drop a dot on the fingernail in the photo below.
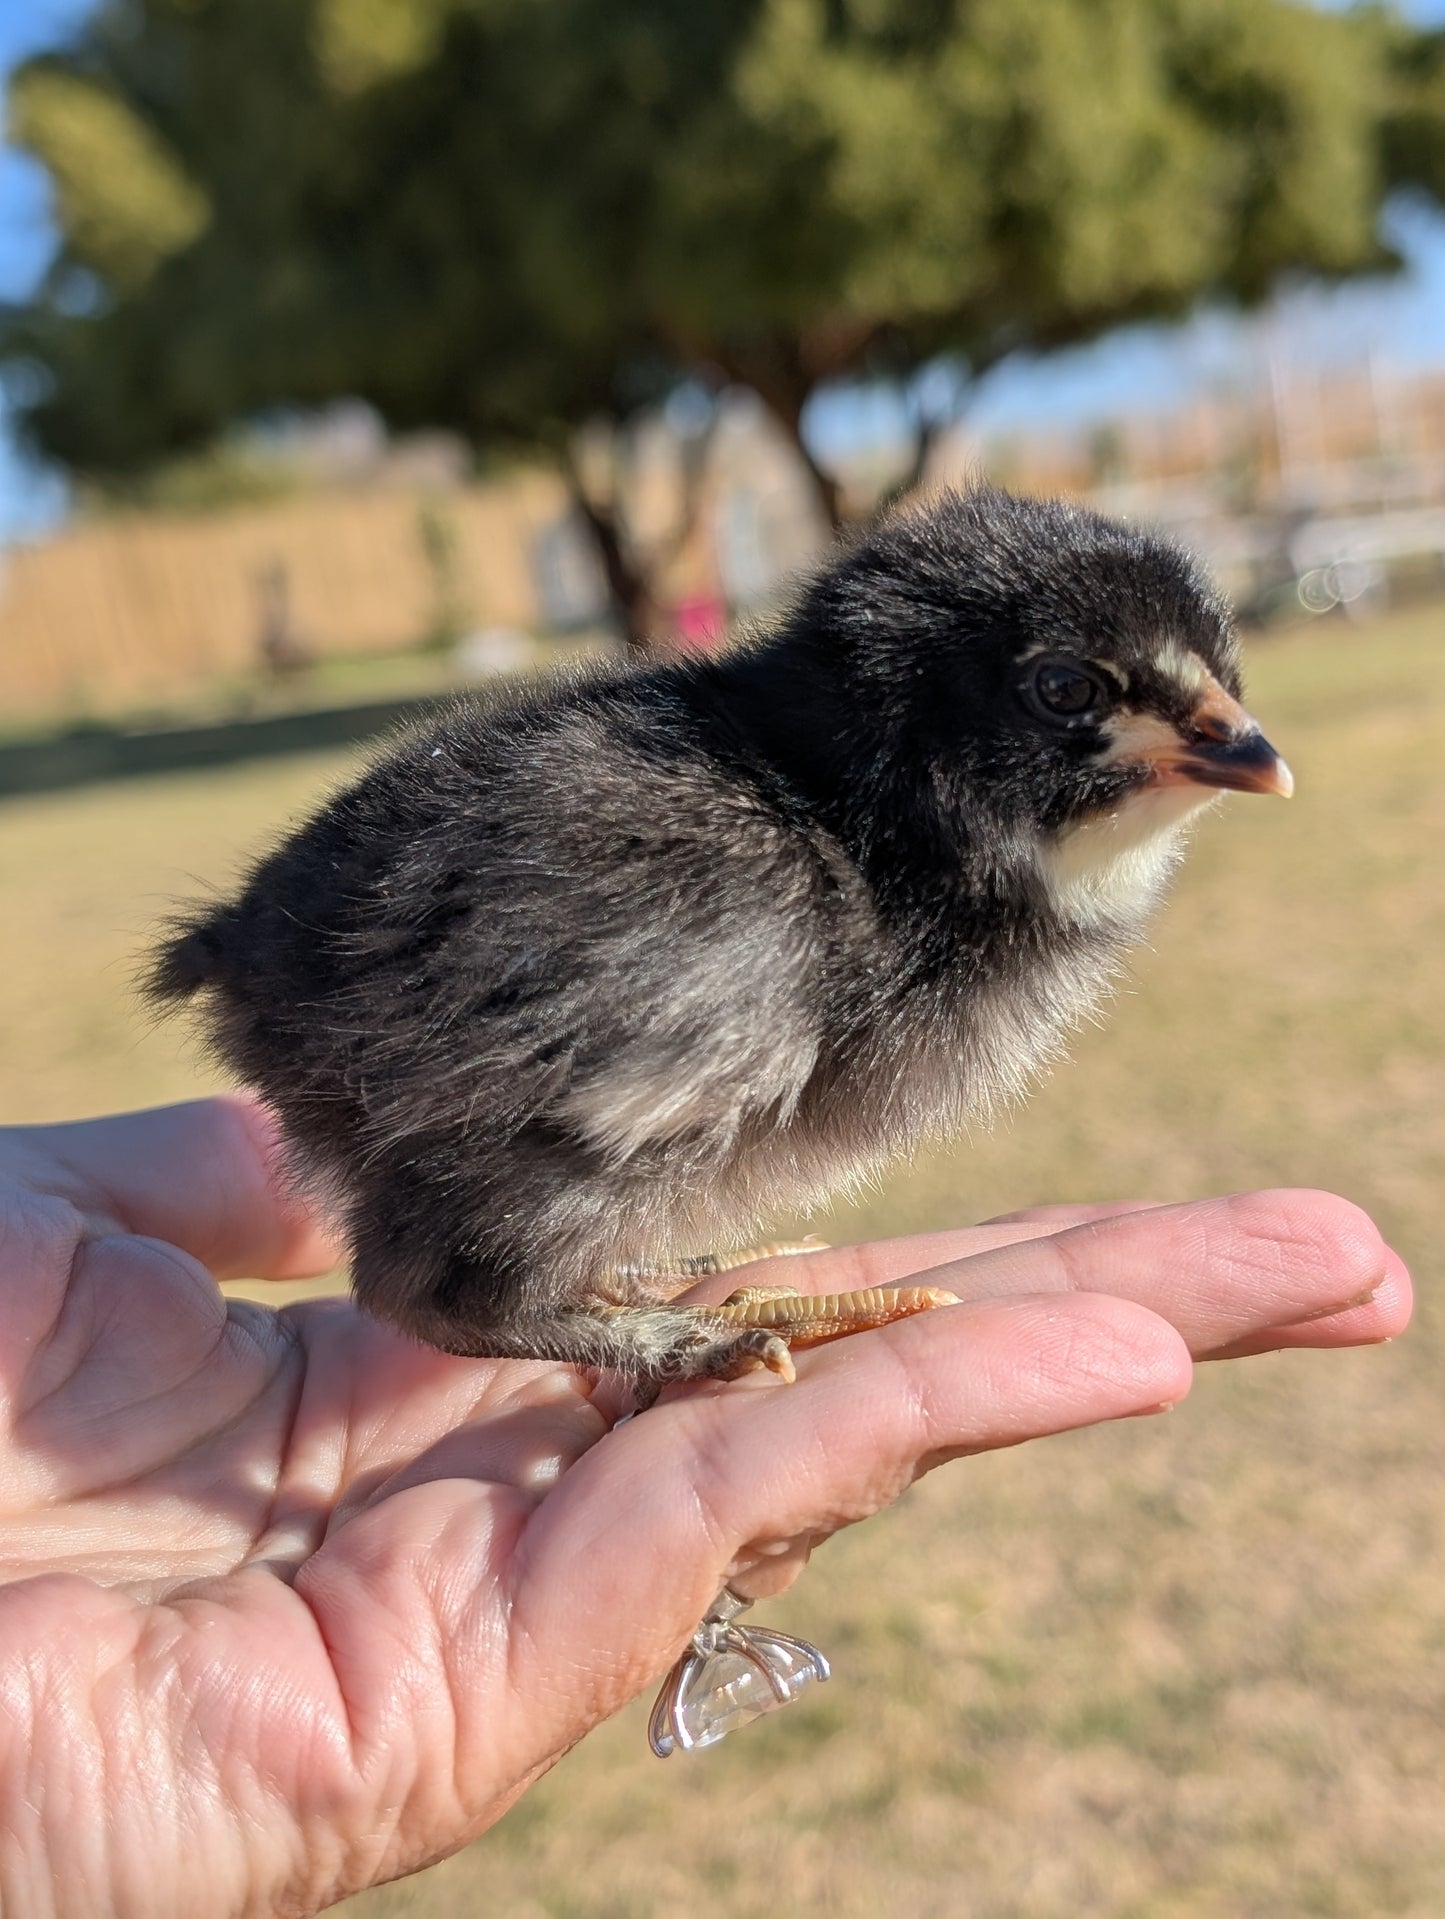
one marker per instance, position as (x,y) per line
(1351,1305)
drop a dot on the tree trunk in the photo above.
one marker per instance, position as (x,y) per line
(776,372)
(788,408)
(829,490)
(634,605)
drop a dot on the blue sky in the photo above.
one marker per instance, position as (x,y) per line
(29,500)
(1402,320)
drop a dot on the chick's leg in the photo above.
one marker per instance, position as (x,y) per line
(757,1327)
(769,1320)
(812,1319)
(673,1276)
(482,1303)
(655,1345)
(705,1265)
(651,1344)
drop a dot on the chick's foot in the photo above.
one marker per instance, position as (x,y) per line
(756,1328)
(813,1319)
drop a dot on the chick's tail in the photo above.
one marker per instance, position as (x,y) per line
(196,954)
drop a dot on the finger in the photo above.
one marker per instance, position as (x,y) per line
(1221,1270)
(1384,1317)
(1055,1217)
(766,1567)
(206,1177)
(884,1262)
(699,1479)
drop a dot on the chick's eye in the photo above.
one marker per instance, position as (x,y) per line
(1066,690)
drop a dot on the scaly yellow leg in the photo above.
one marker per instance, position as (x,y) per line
(812,1319)
(704,1265)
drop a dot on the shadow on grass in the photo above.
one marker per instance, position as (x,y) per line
(94,754)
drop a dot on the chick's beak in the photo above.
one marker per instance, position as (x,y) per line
(1219,745)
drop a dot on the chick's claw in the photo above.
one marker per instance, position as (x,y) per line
(754,1351)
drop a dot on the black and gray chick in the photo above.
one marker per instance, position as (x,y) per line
(620,963)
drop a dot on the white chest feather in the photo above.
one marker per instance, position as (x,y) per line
(1113,869)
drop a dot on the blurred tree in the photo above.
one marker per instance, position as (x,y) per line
(519,219)
(1415,119)
(438,535)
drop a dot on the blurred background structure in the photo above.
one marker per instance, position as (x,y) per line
(449,318)
(355,350)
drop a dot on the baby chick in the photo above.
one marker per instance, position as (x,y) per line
(624,961)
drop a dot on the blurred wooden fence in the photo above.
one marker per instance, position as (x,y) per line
(144,606)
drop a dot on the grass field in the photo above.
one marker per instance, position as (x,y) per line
(1183,1669)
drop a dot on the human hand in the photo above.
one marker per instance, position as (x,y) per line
(294,1606)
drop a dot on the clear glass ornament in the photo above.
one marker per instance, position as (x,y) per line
(729,1676)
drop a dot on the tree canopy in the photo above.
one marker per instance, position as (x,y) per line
(512,217)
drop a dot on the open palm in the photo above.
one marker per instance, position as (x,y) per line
(293,1606)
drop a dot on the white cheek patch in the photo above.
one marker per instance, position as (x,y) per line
(1115,867)
(1136,738)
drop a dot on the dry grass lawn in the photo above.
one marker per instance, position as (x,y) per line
(1184,1669)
